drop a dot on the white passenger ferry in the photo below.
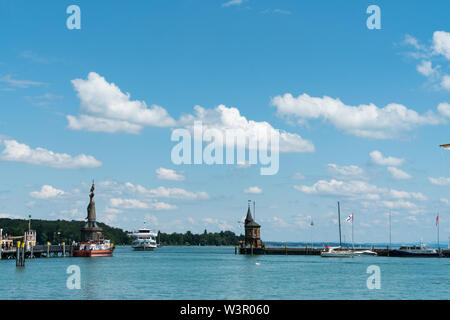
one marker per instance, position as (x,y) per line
(144,239)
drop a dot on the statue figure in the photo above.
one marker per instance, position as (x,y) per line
(91,229)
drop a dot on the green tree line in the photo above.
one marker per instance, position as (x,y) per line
(59,231)
(223,238)
(67,231)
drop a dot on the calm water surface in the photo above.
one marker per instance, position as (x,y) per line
(217,273)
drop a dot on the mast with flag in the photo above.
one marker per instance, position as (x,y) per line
(437,225)
(445,146)
(350,219)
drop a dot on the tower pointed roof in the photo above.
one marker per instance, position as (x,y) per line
(249,222)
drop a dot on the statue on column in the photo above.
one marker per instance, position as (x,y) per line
(91,231)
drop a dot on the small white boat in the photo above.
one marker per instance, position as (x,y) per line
(366,253)
(144,239)
(337,252)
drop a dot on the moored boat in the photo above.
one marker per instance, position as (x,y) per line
(93,243)
(144,240)
(337,252)
(414,251)
(94,249)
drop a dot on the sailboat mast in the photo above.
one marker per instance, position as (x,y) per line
(339,219)
(439,248)
(353,218)
(390,230)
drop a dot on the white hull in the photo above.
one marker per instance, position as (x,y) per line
(338,254)
(144,240)
(143,248)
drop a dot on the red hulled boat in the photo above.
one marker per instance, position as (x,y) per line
(92,244)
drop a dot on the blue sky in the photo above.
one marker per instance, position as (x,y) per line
(373,103)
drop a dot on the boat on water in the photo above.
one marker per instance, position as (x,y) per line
(99,248)
(365,253)
(144,240)
(337,252)
(93,243)
(414,251)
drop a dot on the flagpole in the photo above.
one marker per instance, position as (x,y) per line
(339,218)
(439,249)
(353,248)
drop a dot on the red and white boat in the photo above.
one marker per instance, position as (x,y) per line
(94,249)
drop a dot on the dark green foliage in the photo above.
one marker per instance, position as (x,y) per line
(68,230)
(223,238)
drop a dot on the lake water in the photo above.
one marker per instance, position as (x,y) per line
(217,273)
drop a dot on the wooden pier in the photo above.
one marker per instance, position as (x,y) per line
(310,251)
(39,251)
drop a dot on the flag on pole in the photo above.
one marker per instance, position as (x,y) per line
(349,218)
(437,219)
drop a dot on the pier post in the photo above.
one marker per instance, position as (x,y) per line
(23,254)
(1,249)
(17,253)
(64,249)
(285,249)
(20,254)
(235,249)
(48,249)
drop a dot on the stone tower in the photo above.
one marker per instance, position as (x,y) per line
(252,231)
(91,231)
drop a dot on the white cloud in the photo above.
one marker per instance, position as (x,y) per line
(444,109)
(354,189)
(298,176)
(378,158)
(232,3)
(406,195)
(445,82)
(18,152)
(426,68)
(138,204)
(350,170)
(412,41)
(230,121)
(361,190)
(128,203)
(162,206)
(222,224)
(398,174)
(169,174)
(280,222)
(441,181)
(163,192)
(96,124)
(47,192)
(363,120)
(441,43)
(253,190)
(112,210)
(399,204)
(440,46)
(113,108)
(20,83)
